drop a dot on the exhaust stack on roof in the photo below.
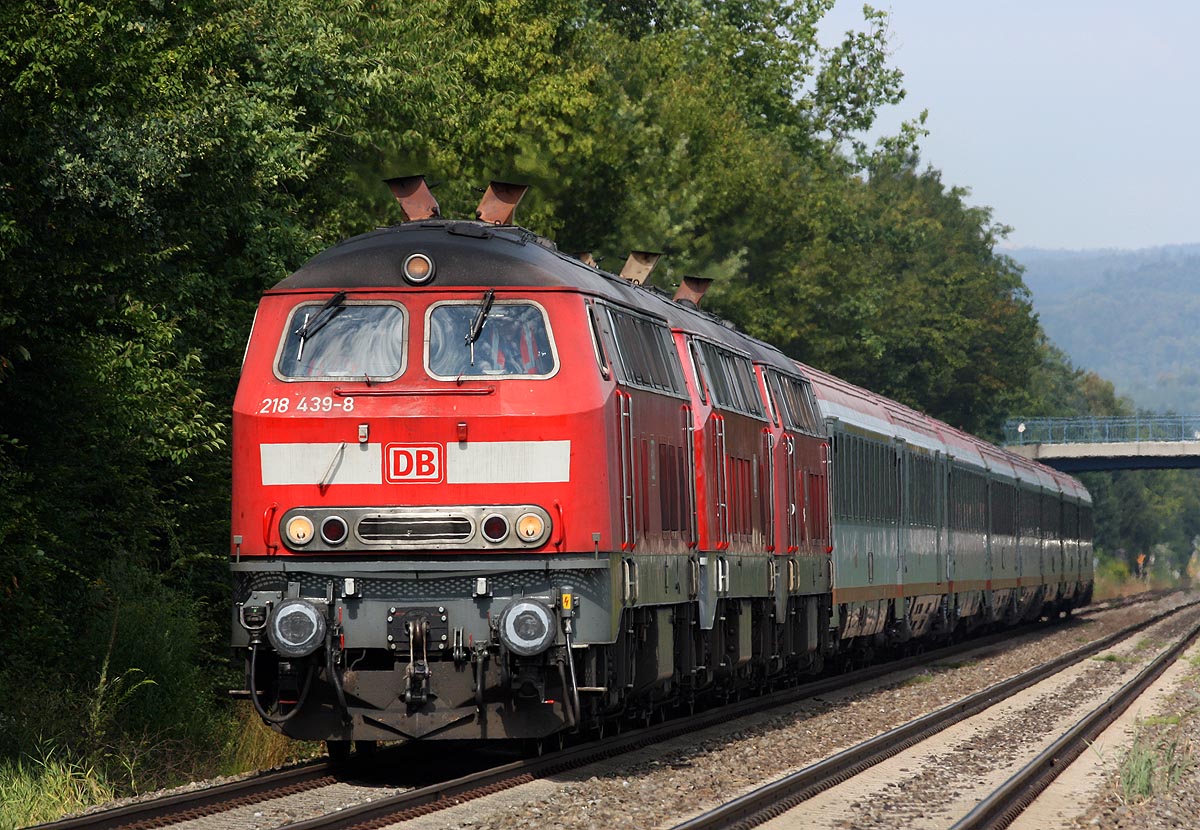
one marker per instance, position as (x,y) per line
(415,198)
(499,203)
(691,290)
(639,265)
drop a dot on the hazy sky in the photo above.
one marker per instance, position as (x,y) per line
(1077,122)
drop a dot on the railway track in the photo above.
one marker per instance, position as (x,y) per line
(389,805)
(835,781)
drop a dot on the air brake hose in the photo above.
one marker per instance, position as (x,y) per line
(335,677)
(562,678)
(258,707)
(571,665)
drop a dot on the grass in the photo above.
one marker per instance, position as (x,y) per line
(1114,658)
(917,680)
(1153,767)
(55,781)
(38,790)
(253,746)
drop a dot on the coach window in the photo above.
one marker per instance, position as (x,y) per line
(513,340)
(340,340)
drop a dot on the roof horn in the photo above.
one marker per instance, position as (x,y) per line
(499,203)
(415,197)
(639,265)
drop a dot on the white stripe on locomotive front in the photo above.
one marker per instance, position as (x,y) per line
(479,462)
(508,462)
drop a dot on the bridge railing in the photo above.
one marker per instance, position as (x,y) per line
(1102,430)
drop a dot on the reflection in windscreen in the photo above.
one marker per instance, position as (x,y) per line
(345,341)
(513,341)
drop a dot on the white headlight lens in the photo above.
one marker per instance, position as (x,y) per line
(299,530)
(527,627)
(531,528)
(296,628)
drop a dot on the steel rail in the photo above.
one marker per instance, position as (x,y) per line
(1011,798)
(782,795)
(160,812)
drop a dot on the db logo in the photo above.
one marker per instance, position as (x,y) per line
(413,462)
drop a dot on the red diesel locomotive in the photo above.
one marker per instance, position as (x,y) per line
(483,489)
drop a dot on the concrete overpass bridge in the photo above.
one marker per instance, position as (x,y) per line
(1127,443)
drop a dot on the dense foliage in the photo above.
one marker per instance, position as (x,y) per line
(166,161)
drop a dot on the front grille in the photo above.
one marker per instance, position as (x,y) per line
(415,530)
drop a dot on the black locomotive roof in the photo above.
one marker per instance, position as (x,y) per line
(473,254)
(465,254)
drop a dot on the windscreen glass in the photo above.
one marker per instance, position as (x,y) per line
(510,338)
(344,340)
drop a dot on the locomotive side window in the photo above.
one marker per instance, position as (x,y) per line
(339,339)
(732,380)
(794,398)
(513,338)
(646,353)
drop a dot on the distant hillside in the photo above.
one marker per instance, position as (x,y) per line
(1131,316)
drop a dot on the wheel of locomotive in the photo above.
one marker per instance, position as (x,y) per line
(339,751)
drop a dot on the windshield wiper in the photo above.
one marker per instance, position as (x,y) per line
(315,322)
(480,318)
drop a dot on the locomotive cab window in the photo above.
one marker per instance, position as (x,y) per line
(340,339)
(477,338)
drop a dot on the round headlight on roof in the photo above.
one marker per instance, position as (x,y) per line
(296,628)
(527,627)
(418,269)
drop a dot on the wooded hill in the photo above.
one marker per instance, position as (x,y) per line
(1130,316)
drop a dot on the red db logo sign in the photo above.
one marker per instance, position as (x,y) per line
(413,462)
